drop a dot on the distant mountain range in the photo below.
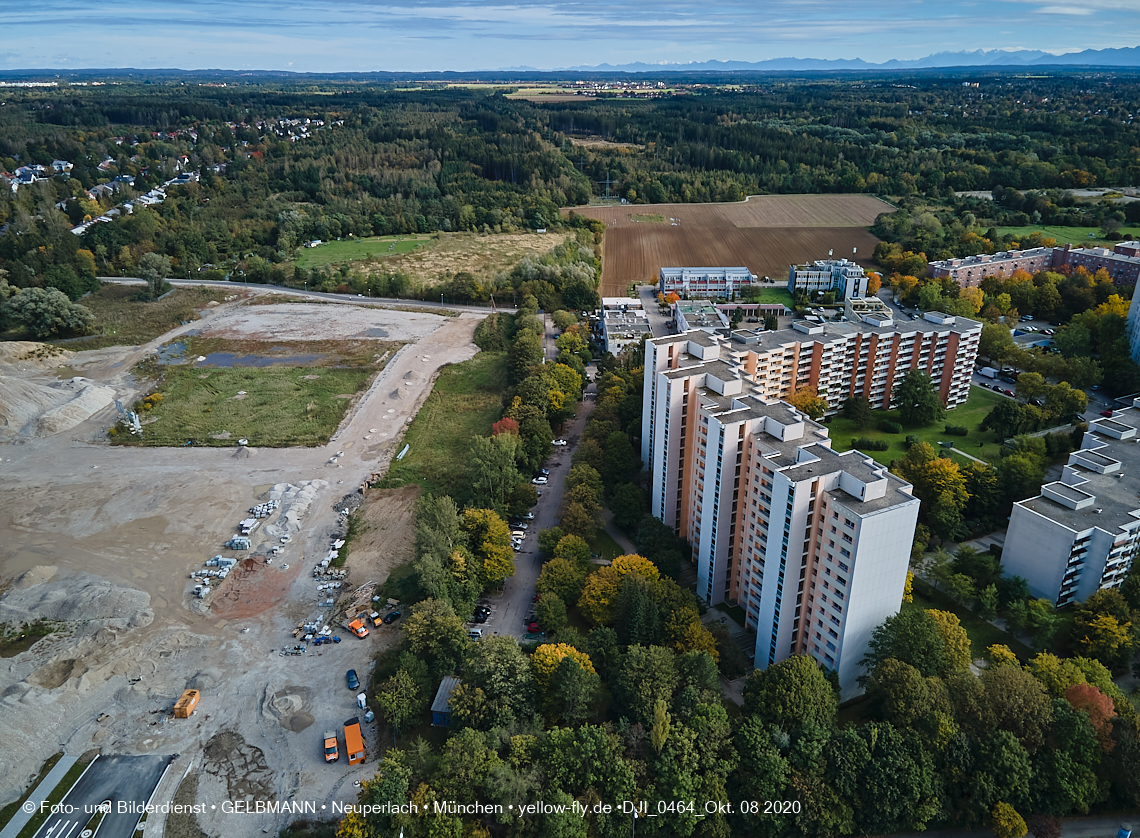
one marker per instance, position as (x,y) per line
(1122,57)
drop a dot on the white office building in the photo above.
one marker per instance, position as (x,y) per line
(844,277)
(1081,533)
(705,282)
(813,545)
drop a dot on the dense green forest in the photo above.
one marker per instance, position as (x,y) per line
(282,165)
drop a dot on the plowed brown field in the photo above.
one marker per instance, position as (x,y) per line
(765,233)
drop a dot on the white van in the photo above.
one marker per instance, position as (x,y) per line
(475,634)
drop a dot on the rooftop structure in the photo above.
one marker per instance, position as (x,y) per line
(1081,533)
(624,323)
(698,314)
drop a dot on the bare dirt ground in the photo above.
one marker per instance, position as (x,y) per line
(105,538)
(764,233)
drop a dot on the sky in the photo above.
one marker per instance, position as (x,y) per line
(425,35)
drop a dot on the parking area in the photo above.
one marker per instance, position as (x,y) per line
(508,609)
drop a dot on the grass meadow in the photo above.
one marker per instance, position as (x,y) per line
(466,400)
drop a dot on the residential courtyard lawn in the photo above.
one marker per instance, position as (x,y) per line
(605,546)
(982,633)
(981,444)
(466,400)
(768,294)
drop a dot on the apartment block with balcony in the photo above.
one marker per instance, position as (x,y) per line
(814,545)
(868,354)
(1082,532)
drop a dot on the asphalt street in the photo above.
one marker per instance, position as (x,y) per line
(510,607)
(318,295)
(125,779)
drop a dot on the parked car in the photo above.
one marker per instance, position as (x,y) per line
(532,627)
(530,515)
(479,617)
(1050,332)
(543,472)
(351,678)
(1025,318)
(391,617)
(539,481)
(520,525)
(1107,414)
(559,442)
(482,610)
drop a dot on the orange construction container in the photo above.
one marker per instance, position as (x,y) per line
(185,705)
(353,741)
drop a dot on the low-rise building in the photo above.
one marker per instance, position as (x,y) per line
(1122,263)
(705,282)
(624,323)
(969,271)
(844,277)
(1082,532)
(698,314)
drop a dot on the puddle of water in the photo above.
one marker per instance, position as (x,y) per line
(172,353)
(230,359)
(376,333)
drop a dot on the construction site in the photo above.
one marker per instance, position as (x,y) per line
(212,570)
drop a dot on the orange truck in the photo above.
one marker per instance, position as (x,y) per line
(358,627)
(331,754)
(353,741)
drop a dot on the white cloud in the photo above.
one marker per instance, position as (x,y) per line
(1064,10)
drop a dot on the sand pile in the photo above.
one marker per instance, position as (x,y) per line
(43,408)
(288,706)
(29,356)
(41,594)
(296,498)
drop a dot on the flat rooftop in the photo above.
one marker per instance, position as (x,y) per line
(1117,493)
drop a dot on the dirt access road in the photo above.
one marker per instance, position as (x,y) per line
(104,538)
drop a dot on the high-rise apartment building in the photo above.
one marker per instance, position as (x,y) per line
(866,355)
(1082,532)
(814,545)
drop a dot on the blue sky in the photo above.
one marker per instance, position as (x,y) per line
(359,35)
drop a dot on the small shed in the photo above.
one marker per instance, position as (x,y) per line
(440,712)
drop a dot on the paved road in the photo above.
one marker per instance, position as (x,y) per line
(320,295)
(514,603)
(38,795)
(127,779)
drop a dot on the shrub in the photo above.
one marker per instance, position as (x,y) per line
(957,430)
(911,441)
(889,427)
(865,444)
